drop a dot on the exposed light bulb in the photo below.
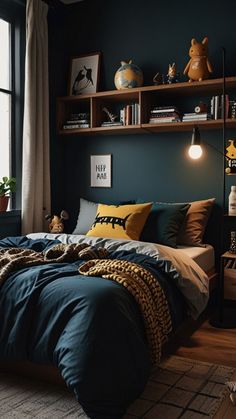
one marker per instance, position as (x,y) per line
(195,152)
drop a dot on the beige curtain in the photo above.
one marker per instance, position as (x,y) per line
(36,201)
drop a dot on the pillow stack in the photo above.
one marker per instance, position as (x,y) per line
(170,224)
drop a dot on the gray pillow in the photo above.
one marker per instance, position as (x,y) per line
(87,214)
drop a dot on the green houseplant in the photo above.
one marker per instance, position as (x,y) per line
(7,186)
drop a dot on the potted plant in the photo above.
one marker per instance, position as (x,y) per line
(7,186)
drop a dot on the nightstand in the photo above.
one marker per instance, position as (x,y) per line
(228,261)
(226,316)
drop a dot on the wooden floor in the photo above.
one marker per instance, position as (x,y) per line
(205,343)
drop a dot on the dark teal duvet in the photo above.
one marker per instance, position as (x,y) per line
(88,327)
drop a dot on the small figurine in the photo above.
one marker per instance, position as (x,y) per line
(172,75)
(201,107)
(198,67)
(56,224)
(110,115)
(158,79)
(231,158)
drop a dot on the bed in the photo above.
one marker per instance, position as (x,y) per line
(94,310)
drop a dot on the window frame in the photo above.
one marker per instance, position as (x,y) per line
(15,15)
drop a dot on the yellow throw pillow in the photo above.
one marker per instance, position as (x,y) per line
(120,222)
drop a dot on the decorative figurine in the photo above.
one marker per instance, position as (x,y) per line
(128,76)
(201,107)
(112,117)
(198,67)
(56,224)
(158,79)
(231,158)
(172,75)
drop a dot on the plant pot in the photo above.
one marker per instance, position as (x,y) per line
(4,203)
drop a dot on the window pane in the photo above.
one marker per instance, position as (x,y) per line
(5,107)
(5,74)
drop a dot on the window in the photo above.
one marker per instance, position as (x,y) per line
(5,98)
(12,54)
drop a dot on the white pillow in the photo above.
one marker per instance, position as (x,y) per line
(87,214)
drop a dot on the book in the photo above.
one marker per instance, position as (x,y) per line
(163,120)
(73,126)
(164,115)
(197,118)
(128,115)
(77,121)
(111,124)
(159,109)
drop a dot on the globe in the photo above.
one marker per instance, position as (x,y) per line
(128,76)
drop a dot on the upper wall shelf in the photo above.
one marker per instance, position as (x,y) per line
(146,97)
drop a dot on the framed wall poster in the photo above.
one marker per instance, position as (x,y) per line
(84,74)
(100,171)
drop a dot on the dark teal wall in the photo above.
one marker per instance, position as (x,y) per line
(152,34)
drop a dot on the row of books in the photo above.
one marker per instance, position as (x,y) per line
(217,106)
(130,114)
(77,120)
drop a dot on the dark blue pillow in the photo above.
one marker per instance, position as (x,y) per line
(163,223)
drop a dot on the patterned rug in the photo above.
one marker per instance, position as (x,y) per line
(183,388)
(179,388)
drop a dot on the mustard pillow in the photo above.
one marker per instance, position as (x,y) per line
(120,222)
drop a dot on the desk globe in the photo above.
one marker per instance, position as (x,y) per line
(128,76)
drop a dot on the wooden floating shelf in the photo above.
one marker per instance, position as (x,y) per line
(147,97)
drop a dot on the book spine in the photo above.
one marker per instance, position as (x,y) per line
(73,126)
(128,115)
(213,106)
(122,116)
(133,113)
(216,107)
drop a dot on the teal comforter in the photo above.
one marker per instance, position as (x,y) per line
(90,328)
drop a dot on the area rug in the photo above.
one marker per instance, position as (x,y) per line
(183,388)
(178,388)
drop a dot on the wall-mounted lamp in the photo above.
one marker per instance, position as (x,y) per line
(195,149)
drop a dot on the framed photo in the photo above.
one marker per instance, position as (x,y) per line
(100,171)
(84,74)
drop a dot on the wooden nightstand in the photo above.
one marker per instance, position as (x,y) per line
(228,261)
(226,315)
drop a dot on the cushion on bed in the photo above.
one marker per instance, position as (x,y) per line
(87,214)
(193,228)
(164,222)
(121,221)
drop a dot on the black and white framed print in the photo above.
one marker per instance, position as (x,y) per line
(100,171)
(84,74)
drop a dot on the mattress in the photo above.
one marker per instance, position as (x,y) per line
(203,256)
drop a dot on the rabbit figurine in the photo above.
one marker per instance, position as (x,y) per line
(198,67)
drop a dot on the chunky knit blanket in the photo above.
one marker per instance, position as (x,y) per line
(147,292)
(15,258)
(141,284)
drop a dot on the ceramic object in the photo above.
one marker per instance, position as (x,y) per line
(4,203)
(128,76)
